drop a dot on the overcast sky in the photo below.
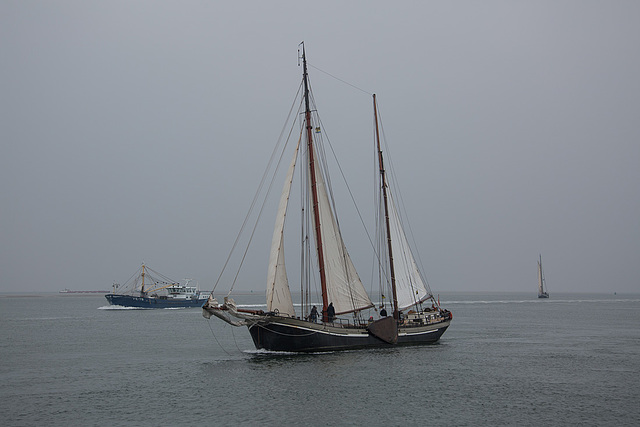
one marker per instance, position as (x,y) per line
(137,132)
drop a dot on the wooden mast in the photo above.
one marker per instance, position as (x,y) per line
(396,314)
(314,190)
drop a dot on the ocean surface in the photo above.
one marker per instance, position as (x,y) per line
(507,359)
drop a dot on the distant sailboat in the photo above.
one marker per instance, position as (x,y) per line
(541,281)
(416,316)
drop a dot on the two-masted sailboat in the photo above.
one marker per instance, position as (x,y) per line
(346,320)
(541,281)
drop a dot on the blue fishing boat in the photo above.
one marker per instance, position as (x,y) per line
(149,289)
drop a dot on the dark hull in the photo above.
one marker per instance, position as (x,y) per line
(283,334)
(147,302)
(545,295)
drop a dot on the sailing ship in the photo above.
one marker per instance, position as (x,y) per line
(149,289)
(541,281)
(346,320)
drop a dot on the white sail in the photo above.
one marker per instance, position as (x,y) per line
(540,278)
(410,287)
(344,287)
(278,293)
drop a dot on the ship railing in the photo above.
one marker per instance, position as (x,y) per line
(346,323)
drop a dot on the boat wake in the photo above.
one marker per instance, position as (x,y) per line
(120,307)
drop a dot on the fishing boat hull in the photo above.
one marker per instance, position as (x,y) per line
(152,302)
(293,335)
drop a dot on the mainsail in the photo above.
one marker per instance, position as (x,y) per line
(344,287)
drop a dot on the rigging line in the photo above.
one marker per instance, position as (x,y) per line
(345,252)
(376,208)
(235,341)
(324,167)
(344,178)
(264,203)
(271,286)
(339,79)
(262,182)
(398,227)
(421,270)
(403,212)
(246,219)
(137,272)
(165,279)
(380,250)
(328,182)
(378,256)
(216,338)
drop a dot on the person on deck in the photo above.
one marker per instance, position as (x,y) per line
(313,316)
(331,313)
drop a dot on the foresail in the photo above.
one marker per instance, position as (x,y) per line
(344,287)
(410,287)
(278,293)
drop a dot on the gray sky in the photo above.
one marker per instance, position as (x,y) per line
(138,131)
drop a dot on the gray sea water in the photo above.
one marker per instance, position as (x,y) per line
(507,359)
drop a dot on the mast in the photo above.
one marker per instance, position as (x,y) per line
(142,291)
(396,314)
(314,190)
